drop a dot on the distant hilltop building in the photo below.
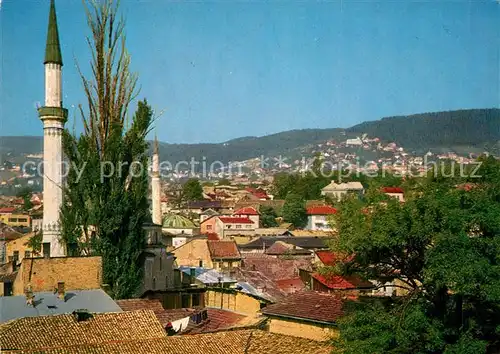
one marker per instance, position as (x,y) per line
(338,191)
(354,142)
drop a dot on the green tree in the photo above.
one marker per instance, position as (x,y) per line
(294,210)
(35,242)
(224,182)
(26,193)
(192,190)
(268,216)
(441,247)
(104,209)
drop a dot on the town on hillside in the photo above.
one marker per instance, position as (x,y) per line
(349,245)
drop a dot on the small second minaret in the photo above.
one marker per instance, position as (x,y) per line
(156,185)
(53,116)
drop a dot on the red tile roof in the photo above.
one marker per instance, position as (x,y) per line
(392,190)
(235,220)
(282,248)
(321,210)
(246,211)
(308,305)
(328,258)
(341,283)
(223,249)
(163,316)
(7,210)
(213,236)
(140,304)
(291,285)
(217,319)
(275,268)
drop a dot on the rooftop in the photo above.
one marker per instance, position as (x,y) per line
(343,186)
(321,210)
(392,190)
(308,305)
(283,248)
(223,249)
(47,303)
(64,333)
(235,220)
(230,342)
(342,282)
(303,242)
(176,221)
(246,211)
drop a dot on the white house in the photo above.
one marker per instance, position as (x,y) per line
(249,212)
(337,191)
(319,217)
(394,192)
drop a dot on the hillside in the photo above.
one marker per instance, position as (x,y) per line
(473,127)
(461,129)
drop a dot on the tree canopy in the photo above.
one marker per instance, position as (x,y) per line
(105,199)
(294,210)
(192,190)
(268,216)
(441,250)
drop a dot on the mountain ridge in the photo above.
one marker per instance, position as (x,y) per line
(466,127)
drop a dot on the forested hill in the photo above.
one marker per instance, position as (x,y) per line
(463,128)
(472,127)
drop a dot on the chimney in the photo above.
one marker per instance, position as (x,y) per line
(29,296)
(60,290)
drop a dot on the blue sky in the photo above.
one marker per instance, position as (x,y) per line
(226,69)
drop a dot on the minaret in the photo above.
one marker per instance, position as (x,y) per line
(53,116)
(156,186)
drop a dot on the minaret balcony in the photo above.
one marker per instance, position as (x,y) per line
(53,113)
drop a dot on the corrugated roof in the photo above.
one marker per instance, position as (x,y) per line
(47,303)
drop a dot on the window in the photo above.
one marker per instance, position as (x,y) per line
(209,227)
(154,283)
(238,226)
(23,220)
(201,264)
(27,254)
(160,264)
(16,255)
(248,226)
(166,282)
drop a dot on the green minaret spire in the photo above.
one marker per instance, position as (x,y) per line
(53,48)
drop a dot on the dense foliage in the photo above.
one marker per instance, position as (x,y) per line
(442,250)
(294,210)
(268,216)
(26,193)
(105,199)
(192,190)
(105,208)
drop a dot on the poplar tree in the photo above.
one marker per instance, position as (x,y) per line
(105,196)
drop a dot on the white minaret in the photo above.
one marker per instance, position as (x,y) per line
(156,186)
(53,116)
